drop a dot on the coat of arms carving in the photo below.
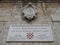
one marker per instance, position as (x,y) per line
(29,12)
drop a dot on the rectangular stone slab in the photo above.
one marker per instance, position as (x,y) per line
(30,33)
(56,17)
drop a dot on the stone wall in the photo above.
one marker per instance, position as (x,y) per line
(50,12)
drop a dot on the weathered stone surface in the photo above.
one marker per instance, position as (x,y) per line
(56,15)
(56,25)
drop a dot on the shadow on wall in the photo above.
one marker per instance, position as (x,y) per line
(30,1)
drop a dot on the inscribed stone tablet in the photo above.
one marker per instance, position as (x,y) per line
(30,33)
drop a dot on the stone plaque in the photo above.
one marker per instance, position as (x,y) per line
(30,33)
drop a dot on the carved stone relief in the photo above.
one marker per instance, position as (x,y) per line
(29,12)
